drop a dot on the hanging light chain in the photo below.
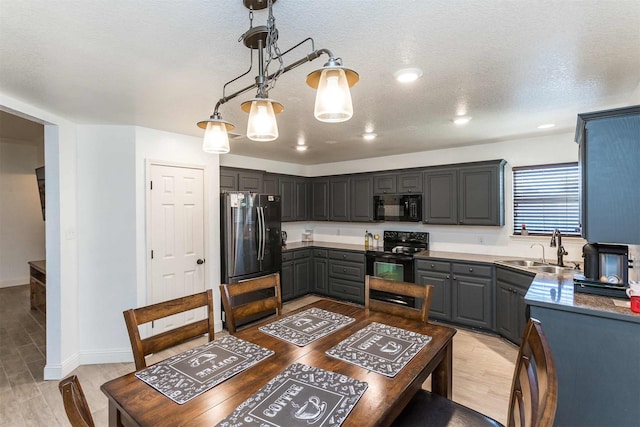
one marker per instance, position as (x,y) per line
(272,50)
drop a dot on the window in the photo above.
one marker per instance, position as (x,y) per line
(545,198)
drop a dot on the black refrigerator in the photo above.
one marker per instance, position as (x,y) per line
(251,239)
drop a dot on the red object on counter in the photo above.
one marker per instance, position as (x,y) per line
(635,303)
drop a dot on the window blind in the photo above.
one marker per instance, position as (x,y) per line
(545,198)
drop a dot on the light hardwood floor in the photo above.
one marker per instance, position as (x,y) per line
(483,367)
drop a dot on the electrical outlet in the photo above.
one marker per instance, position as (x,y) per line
(481,240)
(338,232)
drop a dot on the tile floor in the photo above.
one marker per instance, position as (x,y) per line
(483,367)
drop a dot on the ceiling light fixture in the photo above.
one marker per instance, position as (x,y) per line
(462,120)
(301,147)
(332,81)
(546,126)
(407,75)
(369,136)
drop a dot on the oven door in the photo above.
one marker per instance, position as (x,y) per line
(391,267)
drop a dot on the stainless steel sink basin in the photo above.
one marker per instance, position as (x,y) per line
(551,269)
(523,263)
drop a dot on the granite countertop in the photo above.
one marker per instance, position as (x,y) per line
(547,290)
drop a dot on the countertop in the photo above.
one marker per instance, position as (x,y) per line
(547,290)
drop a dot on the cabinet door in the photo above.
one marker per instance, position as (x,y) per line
(610,162)
(286,280)
(441,293)
(410,182)
(301,200)
(320,274)
(506,311)
(250,181)
(302,276)
(339,199)
(319,199)
(228,180)
(440,197)
(472,302)
(385,184)
(287,197)
(478,198)
(270,184)
(361,198)
(521,315)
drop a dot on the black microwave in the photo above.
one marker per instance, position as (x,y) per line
(397,207)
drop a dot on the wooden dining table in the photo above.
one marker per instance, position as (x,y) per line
(132,402)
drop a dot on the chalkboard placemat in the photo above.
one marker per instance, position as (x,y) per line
(307,326)
(302,395)
(380,348)
(189,374)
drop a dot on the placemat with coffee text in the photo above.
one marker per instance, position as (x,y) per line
(380,348)
(300,396)
(191,373)
(307,326)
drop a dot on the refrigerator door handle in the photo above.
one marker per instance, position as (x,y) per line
(264,233)
(261,234)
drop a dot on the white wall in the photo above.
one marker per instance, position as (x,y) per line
(22,229)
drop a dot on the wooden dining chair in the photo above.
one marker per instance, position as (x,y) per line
(75,403)
(139,316)
(234,312)
(422,292)
(534,393)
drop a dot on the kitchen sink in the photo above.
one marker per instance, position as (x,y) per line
(523,263)
(555,269)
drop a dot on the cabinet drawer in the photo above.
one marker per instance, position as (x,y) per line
(305,253)
(472,269)
(320,253)
(345,289)
(429,265)
(287,256)
(346,270)
(347,256)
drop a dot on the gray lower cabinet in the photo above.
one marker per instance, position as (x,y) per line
(296,276)
(320,271)
(463,292)
(472,294)
(511,309)
(346,275)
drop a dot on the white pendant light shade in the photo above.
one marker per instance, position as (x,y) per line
(216,138)
(333,99)
(262,125)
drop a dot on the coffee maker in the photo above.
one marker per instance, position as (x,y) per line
(606,263)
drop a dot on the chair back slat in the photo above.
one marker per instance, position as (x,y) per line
(534,391)
(422,292)
(155,343)
(236,312)
(75,403)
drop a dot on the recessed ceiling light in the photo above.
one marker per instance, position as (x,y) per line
(369,136)
(407,75)
(546,126)
(462,120)
(301,147)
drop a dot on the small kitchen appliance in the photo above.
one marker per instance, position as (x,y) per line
(606,270)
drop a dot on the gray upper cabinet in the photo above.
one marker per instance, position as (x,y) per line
(240,180)
(609,161)
(361,198)
(410,182)
(295,198)
(469,194)
(339,198)
(385,183)
(270,184)
(319,199)
(440,196)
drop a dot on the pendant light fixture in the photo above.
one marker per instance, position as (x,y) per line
(332,81)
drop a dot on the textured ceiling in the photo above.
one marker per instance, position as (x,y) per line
(511,65)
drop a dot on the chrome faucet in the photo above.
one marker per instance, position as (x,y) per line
(561,251)
(542,246)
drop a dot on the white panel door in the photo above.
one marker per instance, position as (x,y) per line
(177,239)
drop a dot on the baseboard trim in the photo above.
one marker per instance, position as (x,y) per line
(59,371)
(120,355)
(14,282)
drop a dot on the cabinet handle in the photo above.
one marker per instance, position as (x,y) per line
(471,270)
(455,278)
(433,266)
(344,270)
(447,276)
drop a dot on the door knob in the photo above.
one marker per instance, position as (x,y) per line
(200,261)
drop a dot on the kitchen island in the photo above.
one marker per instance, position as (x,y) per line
(596,348)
